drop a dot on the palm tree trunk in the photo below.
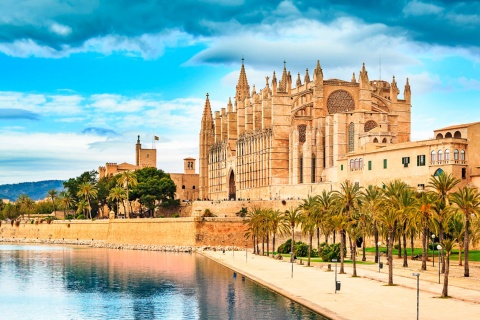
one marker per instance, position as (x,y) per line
(352,247)
(424,246)
(342,271)
(390,257)
(411,245)
(263,245)
(405,260)
(334,236)
(466,272)
(460,248)
(399,245)
(273,249)
(354,259)
(445,278)
(318,238)
(364,258)
(375,235)
(440,240)
(268,245)
(310,249)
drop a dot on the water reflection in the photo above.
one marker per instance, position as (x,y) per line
(85,283)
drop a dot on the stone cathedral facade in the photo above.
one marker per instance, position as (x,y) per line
(287,139)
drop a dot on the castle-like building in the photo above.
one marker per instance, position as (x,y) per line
(288,140)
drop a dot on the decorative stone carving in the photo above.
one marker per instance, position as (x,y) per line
(340,101)
(369,125)
(302,130)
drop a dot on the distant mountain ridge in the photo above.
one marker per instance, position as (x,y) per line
(35,190)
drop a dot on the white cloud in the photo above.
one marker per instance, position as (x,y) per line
(469,84)
(418,8)
(60,29)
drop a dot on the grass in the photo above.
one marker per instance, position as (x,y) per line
(286,256)
(474,255)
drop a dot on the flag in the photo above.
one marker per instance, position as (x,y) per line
(156,138)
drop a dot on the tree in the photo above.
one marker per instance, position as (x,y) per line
(339,222)
(325,205)
(67,201)
(346,200)
(89,192)
(278,224)
(442,184)
(26,204)
(293,216)
(117,194)
(52,193)
(354,231)
(447,246)
(253,220)
(467,201)
(426,203)
(309,208)
(371,199)
(153,186)
(128,179)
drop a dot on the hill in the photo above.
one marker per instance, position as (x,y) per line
(35,190)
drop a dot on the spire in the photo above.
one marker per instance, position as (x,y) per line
(282,86)
(318,74)
(274,82)
(207,119)
(229,105)
(254,92)
(138,137)
(363,79)
(299,82)
(394,90)
(307,77)
(243,89)
(407,94)
(354,80)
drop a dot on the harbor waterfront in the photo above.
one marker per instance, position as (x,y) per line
(80,282)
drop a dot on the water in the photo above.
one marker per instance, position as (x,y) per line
(50,282)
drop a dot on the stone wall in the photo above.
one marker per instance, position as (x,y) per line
(167,231)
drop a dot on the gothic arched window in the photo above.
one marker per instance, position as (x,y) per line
(375,140)
(462,155)
(447,155)
(313,167)
(433,156)
(455,154)
(302,131)
(340,101)
(440,155)
(300,171)
(352,164)
(351,135)
(369,125)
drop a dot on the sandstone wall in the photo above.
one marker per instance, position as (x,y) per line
(167,231)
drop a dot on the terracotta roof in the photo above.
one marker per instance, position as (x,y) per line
(458,126)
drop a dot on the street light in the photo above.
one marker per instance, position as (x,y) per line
(439,247)
(291,259)
(418,291)
(336,282)
(433,250)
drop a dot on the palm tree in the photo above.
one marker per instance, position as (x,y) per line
(89,192)
(442,184)
(339,222)
(82,207)
(371,199)
(467,201)
(253,220)
(117,194)
(128,179)
(325,205)
(457,228)
(26,204)
(389,218)
(426,203)
(354,231)
(293,216)
(309,209)
(447,246)
(346,200)
(66,200)
(53,194)
(278,224)
(407,206)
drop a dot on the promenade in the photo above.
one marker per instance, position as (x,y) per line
(365,297)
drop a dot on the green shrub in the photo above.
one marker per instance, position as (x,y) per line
(207,213)
(330,251)
(285,247)
(242,213)
(69,217)
(176,215)
(80,217)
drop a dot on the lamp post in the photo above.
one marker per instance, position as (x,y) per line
(291,259)
(246,259)
(335,260)
(439,247)
(418,291)
(379,253)
(433,250)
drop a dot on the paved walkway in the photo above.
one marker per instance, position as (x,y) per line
(365,297)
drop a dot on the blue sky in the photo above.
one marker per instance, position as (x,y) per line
(79,80)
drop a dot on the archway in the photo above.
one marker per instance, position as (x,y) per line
(232,191)
(438,172)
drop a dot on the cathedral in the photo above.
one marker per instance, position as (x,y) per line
(286,139)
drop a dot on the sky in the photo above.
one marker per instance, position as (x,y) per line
(79,80)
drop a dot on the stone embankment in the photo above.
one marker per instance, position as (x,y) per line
(103,244)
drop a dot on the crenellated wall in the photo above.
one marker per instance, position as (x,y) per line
(167,231)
